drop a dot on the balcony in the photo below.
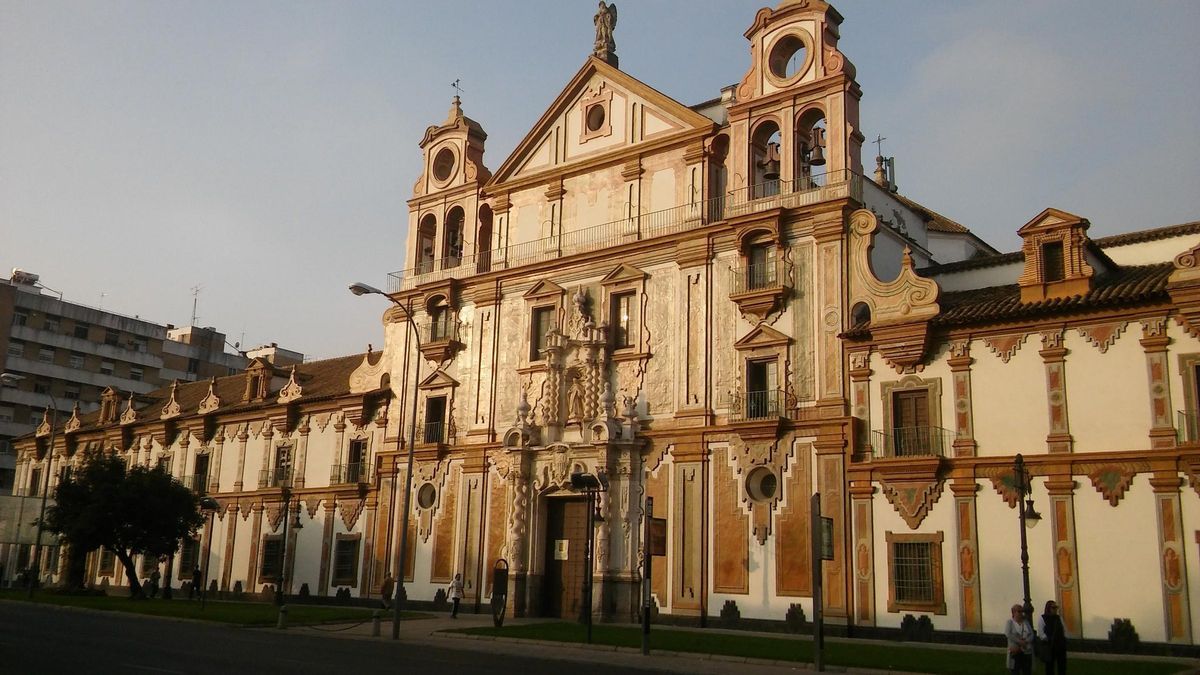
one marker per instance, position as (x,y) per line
(636,227)
(1187,425)
(197,483)
(758,405)
(356,473)
(759,289)
(440,340)
(432,433)
(912,442)
(274,478)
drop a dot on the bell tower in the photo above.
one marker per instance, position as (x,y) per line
(444,212)
(794,118)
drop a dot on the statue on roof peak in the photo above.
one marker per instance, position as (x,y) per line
(605,47)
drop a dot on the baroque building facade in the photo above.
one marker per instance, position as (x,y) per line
(712,306)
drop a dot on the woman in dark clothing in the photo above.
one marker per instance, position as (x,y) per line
(1050,629)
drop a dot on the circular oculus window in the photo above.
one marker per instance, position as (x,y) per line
(790,57)
(443,164)
(595,117)
(426,496)
(761,484)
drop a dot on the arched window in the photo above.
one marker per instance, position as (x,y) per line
(452,244)
(426,235)
(483,240)
(810,140)
(765,160)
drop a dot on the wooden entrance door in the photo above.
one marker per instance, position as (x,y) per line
(566,543)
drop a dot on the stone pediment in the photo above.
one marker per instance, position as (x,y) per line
(1049,218)
(544,289)
(574,130)
(761,336)
(623,272)
(438,380)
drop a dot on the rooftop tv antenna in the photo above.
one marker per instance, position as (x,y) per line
(195,299)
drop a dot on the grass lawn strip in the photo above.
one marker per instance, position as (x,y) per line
(240,613)
(901,657)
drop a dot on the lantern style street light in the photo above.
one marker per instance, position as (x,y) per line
(1029,518)
(360,288)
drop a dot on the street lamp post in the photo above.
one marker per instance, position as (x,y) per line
(363,289)
(1029,518)
(32,573)
(592,485)
(208,504)
(286,495)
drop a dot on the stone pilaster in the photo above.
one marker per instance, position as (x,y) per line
(860,402)
(218,454)
(1172,558)
(1054,356)
(964,425)
(967,539)
(1066,555)
(1154,342)
(861,497)
(256,514)
(239,483)
(301,454)
(231,518)
(329,509)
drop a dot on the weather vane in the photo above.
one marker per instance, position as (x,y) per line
(457,89)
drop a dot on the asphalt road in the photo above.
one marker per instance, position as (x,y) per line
(38,639)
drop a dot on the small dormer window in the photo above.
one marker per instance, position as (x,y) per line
(1052,261)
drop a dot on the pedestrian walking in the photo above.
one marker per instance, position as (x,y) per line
(385,591)
(195,589)
(152,583)
(1052,631)
(1019,632)
(456,594)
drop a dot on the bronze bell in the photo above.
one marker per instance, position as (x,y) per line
(770,162)
(817,158)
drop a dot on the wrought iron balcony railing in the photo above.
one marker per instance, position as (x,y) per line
(636,227)
(345,474)
(757,405)
(758,277)
(442,330)
(268,478)
(196,483)
(912,442)
(433,432)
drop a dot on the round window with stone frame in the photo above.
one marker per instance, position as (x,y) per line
(426,496)
(443,164)
(595,117)
(761,484)
(790,56)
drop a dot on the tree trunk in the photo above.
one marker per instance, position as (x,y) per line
(76,567)
(135,586)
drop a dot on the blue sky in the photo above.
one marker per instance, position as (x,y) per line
(265,150)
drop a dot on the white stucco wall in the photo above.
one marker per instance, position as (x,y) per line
(1094,427)
(1009,400)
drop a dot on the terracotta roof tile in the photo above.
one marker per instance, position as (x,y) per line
(1130,285)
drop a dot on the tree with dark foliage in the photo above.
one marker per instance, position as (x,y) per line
(128,511)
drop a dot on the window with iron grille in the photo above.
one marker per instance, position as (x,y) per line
(1052,261)
(50,324)
(112,338)
(46,354)
(912,573)
(106,367)
(75,360)
(345,560)
(20,317)
(136,374)
(81,330)
(915,567)
(189,557)
(16,348)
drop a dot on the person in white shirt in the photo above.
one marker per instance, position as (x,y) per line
(456,594)
(1019,632)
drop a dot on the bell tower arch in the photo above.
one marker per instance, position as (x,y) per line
(795,116)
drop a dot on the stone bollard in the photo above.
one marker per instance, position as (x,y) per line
(282,623)
(375,623)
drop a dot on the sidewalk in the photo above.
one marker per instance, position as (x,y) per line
(433,631)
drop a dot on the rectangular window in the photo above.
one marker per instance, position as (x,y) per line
(149,564)
(911,434)
(10,383)
(6,414)
(283,465)
(139,345)
(36,416)
(189,557)
(81,330)
(355,461)
(915,566)
(20,317)
(345,560)
(41,386)
(75,361)
(136,374)
(200,475)
(193,365)
(16,348)
(72,392)
(35,482)
(107,563)
(272,558)
(106,367)
(50,324)
(539,325)
(46,354)
(112,338)
(761,389)
(435,420)
(1052,261)
(761,272)
(621,320)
